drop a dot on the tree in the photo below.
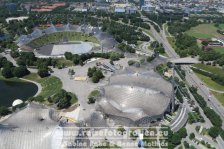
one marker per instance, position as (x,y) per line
(131,62)
(43,72)
(183,132)
(68,55)
(4,111)
(93,96)
(186,145)
(192,136)
(95,79)
(3,60)
(20,71)
(62,99)
(98,73)
(76,59)
(91,71)
(205,43)
(64,102)
(213,132)
(14,54)
(176,139)
(7,72)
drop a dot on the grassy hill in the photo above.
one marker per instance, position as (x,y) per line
(205,31)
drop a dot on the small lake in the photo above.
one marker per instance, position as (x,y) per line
(9,91)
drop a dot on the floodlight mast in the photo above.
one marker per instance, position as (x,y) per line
(173,89)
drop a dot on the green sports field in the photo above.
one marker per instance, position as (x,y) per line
(60,37)
(205,31)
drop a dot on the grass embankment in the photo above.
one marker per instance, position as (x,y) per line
(219,96)
(204,31)
(74,98)
(50,85)
(210,83)
(166,30)
(210,68)
(171,41)
(219,49)
(61,36)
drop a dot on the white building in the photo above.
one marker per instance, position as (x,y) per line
(148,8)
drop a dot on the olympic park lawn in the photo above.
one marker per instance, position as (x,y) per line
(205,31)
(60,37)
(50,85)
(219,49)
(210,83)
(215,70)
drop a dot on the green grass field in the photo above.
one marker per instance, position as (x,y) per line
(221,26)
(210,83)
(74,98)
(204,31)
(171,41)
(50,85)
(209,68)
(60,37)
(219,96)
(219,49)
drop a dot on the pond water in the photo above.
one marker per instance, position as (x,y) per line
(9,91)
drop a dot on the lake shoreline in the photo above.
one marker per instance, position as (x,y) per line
(37,84)
(8,92)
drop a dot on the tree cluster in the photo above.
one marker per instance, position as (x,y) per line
(157,47)
(9,71)
(215,77)
(124,32)
(179,26)
(126,48)
(29,59)
(175,138)
(96,74)
(210,113)
(4,111)
(93,96)
(61,99)
(80,59)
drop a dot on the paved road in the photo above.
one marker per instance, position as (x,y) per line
(191,78)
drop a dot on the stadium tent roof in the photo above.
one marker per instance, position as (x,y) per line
(36,33)
(135,96)
(50,29)
(33,126)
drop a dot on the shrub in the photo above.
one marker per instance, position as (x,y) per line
(213,132)
(4,111)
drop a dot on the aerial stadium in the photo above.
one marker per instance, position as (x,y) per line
(135,98)
(56,40)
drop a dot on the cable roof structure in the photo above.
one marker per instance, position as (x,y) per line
(137,98)
(33,126)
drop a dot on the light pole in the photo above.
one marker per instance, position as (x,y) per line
(173,88)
